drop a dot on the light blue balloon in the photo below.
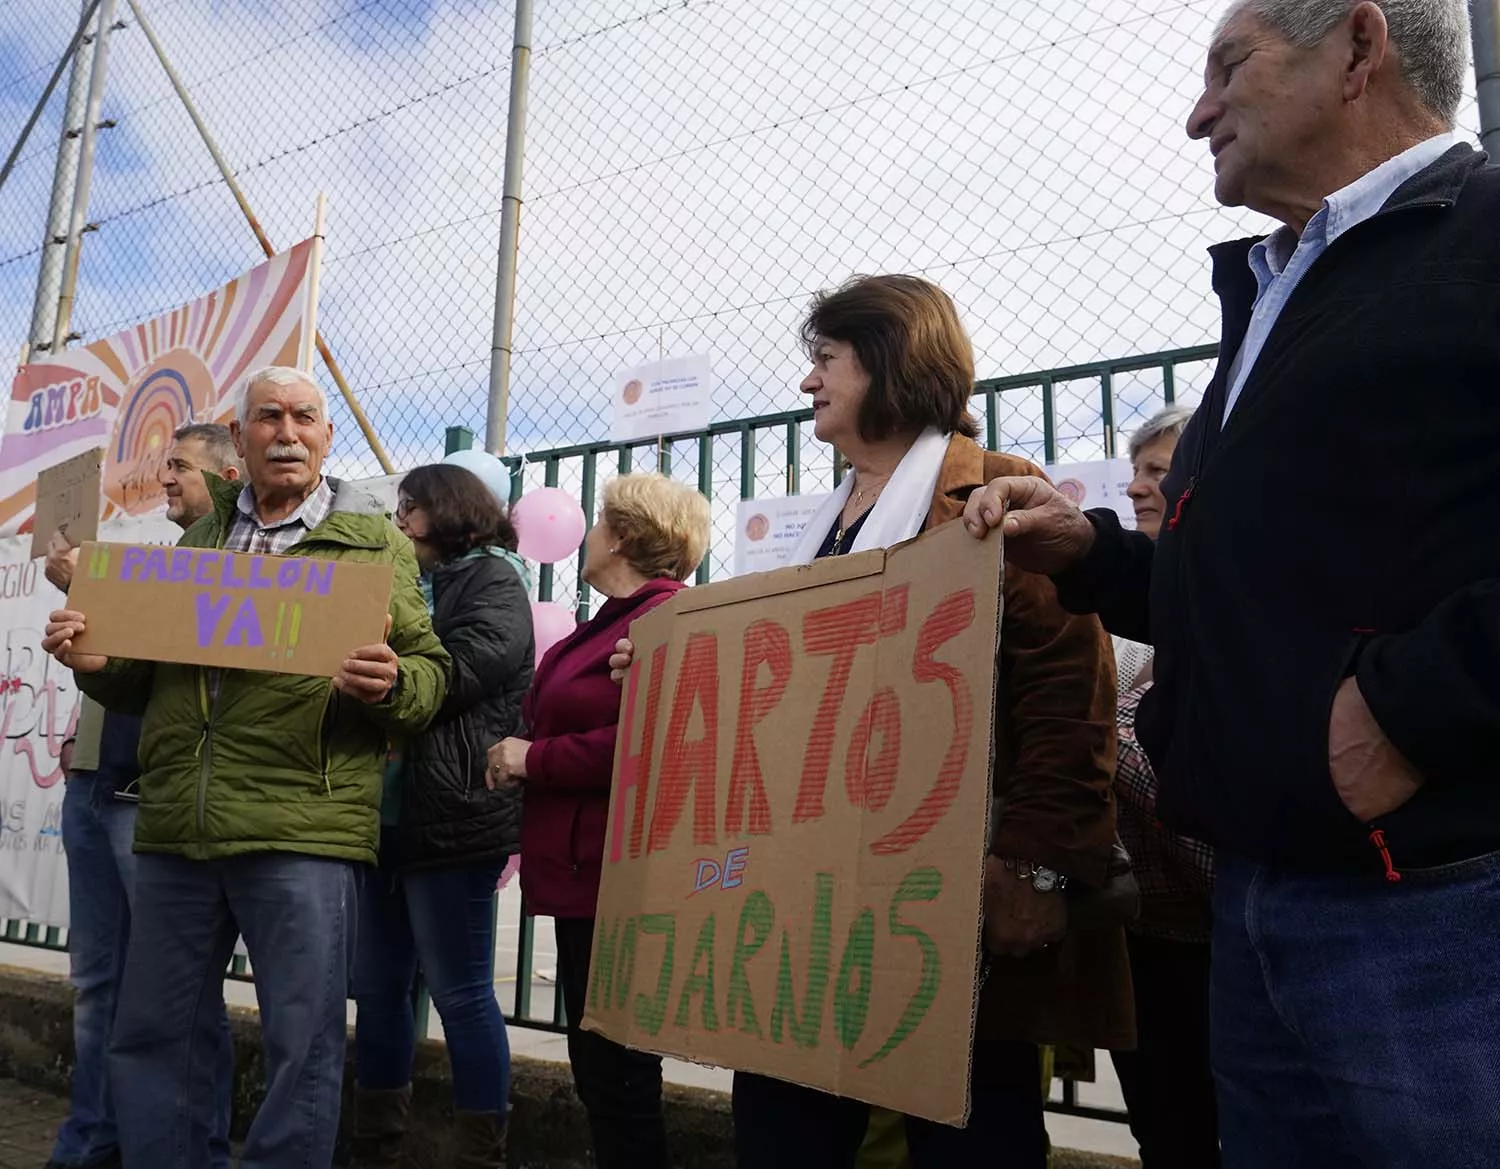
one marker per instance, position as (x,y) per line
(491,471)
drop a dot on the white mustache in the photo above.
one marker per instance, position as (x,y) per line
(287,450)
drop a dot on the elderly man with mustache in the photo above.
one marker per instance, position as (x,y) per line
(260,798)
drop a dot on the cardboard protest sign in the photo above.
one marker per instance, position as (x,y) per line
(665,397)
(767,531)
(207,607)
(67,499)
(797,829)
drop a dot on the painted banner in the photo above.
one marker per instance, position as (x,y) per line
(38,710)
(236,610)
(129,392)
(814,749)
(767,531)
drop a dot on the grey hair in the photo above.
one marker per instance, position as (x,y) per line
(1431,39)
(277,375)
(218,444)
(1161,424)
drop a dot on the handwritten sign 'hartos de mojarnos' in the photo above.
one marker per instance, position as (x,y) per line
(204,606)
(798,823)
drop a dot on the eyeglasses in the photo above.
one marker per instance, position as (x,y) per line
(405,507)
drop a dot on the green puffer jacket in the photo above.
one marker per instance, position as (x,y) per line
(279,762)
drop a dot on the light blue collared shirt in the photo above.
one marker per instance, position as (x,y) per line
(1281,259)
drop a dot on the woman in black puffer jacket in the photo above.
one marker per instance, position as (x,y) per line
(445,836)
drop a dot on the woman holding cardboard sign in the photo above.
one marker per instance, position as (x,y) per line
(890,384)
(650,536)
(445,837)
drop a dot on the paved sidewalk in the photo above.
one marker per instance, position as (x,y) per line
(28,1124)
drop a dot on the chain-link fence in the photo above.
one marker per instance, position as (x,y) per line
(694,170)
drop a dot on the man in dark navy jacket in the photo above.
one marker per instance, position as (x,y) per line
(1325,599)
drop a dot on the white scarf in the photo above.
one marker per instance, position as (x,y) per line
(900,511)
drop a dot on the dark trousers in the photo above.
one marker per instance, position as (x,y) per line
(778,1125)
(620,1089)
(1167,1081)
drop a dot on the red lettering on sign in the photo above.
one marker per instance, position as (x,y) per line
(766,643)
(953,615)
(693,764)
(635,770)
(838,631)
(868,784)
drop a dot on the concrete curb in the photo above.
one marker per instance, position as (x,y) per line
(548,1127)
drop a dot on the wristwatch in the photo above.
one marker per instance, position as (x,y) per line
(1043,879)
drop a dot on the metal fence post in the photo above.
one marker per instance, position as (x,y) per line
(510,234)
(1485,25)
(457,438)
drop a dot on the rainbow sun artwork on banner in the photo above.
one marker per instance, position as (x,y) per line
(129,392)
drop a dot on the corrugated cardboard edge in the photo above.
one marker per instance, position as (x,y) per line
(832,570)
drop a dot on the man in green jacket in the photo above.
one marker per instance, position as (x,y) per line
(260,800)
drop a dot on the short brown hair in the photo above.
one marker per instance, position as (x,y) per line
(662,525)
(907,336)
(462,513)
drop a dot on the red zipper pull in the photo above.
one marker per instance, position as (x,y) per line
(1182,503)
(1377,838)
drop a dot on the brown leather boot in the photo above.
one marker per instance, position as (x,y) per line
(380,1127)
(478,1140)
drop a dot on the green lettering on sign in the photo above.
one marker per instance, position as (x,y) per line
(784,1014)
(625,968)
(703,983)
(851,994)
(756,916)
(602,982)
(919,885)
(651,1011)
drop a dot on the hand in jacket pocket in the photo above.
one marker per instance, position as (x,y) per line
(1370,775)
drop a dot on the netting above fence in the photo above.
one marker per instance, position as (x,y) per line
(694,171)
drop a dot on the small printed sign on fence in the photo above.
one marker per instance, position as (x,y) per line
(794,854)
(208,607)
(666,397)
(767,531)
(68,498)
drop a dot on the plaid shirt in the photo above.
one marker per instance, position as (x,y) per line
(247,534)
(1175,873)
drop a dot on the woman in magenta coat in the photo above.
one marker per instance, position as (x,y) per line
(651,534)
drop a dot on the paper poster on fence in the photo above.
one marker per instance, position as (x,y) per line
(767,531)
(1100,484)
(38,710)
(207,607)
(797,828)
(129,392)
(666,397)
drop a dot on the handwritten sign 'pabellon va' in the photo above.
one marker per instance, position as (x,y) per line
(204,606)
(797,829)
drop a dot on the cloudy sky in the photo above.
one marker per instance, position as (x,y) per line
(693,172)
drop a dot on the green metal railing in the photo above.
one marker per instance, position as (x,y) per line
(1058,415)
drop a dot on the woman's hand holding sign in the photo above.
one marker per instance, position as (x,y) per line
(62,628)
(619,661)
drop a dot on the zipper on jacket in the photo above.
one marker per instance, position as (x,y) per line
(204,751)
(1182,502)
(325,733)
(1377,839)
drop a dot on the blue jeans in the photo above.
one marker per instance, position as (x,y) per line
(443,920)
(296,914)
(1355,1022)
(98,832)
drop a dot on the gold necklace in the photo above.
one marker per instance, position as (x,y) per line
(843,528)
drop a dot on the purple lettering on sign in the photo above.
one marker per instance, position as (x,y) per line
(206,562)
(287,574)
(156,565)
(258,579)
(182,565)
(246,627)
(227,577)
(131,562)
(734,868)
(319,577)
(209,612)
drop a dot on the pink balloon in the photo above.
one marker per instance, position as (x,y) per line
(549,524)
(551,623)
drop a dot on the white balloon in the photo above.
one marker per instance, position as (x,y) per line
(492,472)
